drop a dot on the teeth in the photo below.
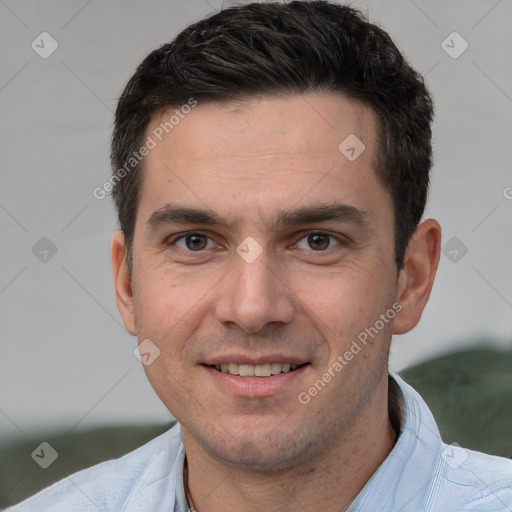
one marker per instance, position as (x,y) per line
(262,370)
(246,370)
(275,368)
(259,370)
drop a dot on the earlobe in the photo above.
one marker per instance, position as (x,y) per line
(122,281)
(416,278)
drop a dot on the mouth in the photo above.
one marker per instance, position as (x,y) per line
(257,380)
(256,370)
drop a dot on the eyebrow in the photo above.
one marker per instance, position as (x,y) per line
(172,214)
(321,213)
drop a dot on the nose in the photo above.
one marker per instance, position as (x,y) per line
(254,297)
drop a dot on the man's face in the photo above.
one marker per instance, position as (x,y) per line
(269,277)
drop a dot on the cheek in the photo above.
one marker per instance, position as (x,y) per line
(167,313)
(157,308)
(169,308)
(345,303)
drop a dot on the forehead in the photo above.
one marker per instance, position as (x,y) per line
(268,152)
(280,126)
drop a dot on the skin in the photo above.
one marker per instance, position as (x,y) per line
(247,161)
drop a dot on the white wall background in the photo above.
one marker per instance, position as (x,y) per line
(66,361)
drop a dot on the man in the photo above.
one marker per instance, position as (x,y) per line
(271,168)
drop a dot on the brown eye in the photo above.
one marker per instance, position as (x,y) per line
(318,242)
(193,242)
(196,242)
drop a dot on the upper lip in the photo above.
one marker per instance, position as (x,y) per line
(253,359)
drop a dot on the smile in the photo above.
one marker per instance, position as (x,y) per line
(258,370)
(257,380)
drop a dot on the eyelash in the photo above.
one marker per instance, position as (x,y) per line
(339,240)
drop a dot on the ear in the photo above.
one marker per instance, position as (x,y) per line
(416,277)
(122,281)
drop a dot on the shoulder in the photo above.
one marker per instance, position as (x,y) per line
(453,478)
(108,486)
(476,481)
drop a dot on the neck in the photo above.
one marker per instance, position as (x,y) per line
(328,482)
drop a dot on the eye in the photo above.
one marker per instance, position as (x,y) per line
(317,242)
(193,242)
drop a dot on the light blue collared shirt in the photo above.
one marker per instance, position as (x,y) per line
(421,474)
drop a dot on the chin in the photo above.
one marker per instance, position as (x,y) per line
(263,452)
(251,458)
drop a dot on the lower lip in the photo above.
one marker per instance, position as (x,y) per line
(255,387)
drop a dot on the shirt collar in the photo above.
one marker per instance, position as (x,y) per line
(409,478)
(181,504)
